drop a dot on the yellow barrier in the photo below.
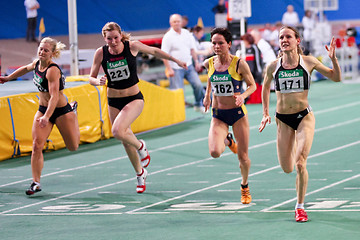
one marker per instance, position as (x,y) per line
(162,108)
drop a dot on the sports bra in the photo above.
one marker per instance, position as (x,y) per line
(120,69)
(225,83)
(40,80)
(291,80)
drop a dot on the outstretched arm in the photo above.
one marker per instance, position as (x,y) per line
(335,73)
(137,46)
(265,95)
(18,72)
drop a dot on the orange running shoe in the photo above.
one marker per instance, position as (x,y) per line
(232,145)
(245,195)
(301,215)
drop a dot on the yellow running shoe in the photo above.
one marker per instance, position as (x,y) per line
(245,195)
(232,145)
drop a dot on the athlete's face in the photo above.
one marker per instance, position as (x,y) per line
(44,51)
(287,40)
(219,44)
(112,38)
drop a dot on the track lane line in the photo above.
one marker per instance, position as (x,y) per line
(250,175)
(325,187)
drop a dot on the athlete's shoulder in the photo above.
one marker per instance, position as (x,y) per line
(271,67)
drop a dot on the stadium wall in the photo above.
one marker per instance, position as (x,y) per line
(136,15)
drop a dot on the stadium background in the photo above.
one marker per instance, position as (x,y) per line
(136,15)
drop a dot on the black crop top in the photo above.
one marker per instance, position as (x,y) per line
(292,80)
(120,69)
(40,80)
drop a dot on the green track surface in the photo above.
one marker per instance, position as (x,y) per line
(90,194)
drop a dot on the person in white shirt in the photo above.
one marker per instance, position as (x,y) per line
(31,14)
(290,17)
(274,37)
(308,23)
(266,34)
(179,43)
(268,54)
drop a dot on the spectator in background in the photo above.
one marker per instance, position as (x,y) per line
(268,53)
(274,37)
(253,57)
(203,48)
(308,23)
(322,31)
(290,17)
(267,32)
(220,7)
(220,11)
(31,7)
(184,22)
(180,44)
(254,60)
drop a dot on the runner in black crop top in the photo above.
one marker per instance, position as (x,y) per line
(294,119)
(120,69)
(40,80)
(54,108)
(125,99)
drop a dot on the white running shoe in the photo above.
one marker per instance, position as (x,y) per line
(141,187)
(144,155)
(200,109)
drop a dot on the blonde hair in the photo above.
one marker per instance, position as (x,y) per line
(297,36)
(56,46)
(113,26)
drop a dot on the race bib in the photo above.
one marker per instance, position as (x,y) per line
(222,85)
(291,81)
(118,70)
(37,81)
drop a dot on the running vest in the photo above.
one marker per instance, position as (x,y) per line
(225,83)
(291,80)
(120,69)
(40,80)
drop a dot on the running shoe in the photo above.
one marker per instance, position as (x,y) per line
(232,145)
(141,187)
(301,215)
(200,109)
(34,188)
(245,195)
(74,106)
(144,155)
